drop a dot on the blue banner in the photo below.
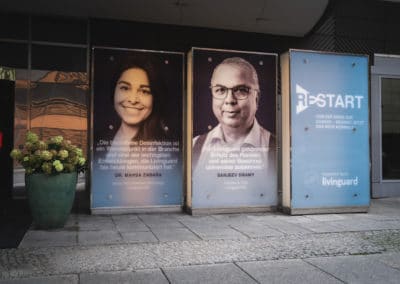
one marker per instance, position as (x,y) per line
(329,130)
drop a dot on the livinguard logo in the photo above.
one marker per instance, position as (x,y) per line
(306,100)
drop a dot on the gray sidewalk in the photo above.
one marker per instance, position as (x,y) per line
(232,248)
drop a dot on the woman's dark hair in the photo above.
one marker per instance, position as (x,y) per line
(154,127)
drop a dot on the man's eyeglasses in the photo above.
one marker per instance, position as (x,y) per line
(240,92)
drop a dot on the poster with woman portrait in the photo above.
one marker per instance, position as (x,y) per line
(136,129)
(233,161)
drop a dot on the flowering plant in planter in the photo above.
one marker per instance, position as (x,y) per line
(56,155)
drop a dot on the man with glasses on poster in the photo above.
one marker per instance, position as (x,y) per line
(235,96)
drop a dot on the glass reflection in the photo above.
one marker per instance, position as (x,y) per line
(58,105)
(51,103)
(21,106)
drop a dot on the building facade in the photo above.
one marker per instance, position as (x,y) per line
(51,57)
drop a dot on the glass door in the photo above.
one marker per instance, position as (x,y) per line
(385,126)
(390,121)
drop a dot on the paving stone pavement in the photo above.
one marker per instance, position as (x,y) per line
(229,248)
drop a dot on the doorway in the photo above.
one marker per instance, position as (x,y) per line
(385,126)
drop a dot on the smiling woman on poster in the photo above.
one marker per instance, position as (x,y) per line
(137,118)
(137,99)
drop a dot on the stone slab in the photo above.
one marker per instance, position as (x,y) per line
(210,274)
(365,224)
(174,234)
(195,221)
(99,237)
(321,227)
(390,259)
(161,221)
(62,279)
(154,276)
(217,232)
(287,228)
(95,223)
(42,238)
(129,223)
(286,271)
(357,269)
(256,230)
(139,237)
(327,217)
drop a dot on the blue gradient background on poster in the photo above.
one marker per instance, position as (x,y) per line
(320,151)
(141,191)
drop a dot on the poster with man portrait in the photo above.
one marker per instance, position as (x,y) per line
(136,130)
(233,155)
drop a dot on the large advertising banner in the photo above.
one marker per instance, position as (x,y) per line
(137,129)
(329,117)
(233,157)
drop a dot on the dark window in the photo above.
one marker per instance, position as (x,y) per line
(58,58)
(14,27)
(59,30)
(14,55)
